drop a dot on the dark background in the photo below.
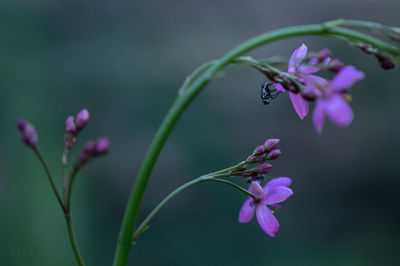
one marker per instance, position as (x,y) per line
(124,61)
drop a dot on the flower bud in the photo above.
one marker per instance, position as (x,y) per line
(264,168)
(335,65)
(82,119)
(322,54)
(259,150)
(90,147)
(385,62)
(102,146)
(69,125)
(251,158)
(308,94)
(271,144)
(272,155)
(28,133)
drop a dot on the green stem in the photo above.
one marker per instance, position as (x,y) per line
(74,244)
(70,186)
(65,209)
(146,223)
(124,244)
(233,185)
(65,158)
(50,178)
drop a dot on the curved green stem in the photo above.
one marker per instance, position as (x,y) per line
(74,244)
(146,223)
(124,244)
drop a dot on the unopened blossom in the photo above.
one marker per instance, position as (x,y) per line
(28,133)
(274,192)
(94,149)
(303,72)
(332,102)
(82,119)
(70,126)
(272,155)
(271,144)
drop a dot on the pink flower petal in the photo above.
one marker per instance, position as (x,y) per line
(279,181)
(319,115)
(279,87)
(256,189)
(267,220)
(299,104)
(297,57)
(326,61)
(246,212)
(307,69)
(339,111)
(346,78)
(318,79)
(277,194)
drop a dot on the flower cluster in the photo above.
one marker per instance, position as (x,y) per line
(274,192)
(72,126)
(330,96)
(256,166)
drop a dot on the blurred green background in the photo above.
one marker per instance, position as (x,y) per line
(124,61)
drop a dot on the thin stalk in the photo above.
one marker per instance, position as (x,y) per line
(70,186)
(146,223)
(65,159)
(72,238)
(124,243)
(50,178)
(233,185)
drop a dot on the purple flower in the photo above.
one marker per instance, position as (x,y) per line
(28,133)
(275,191)
(303,72)
(297,68)
(332,103)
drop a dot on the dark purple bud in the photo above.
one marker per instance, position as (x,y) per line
(385,62)
(293,88)
(308,94)
(259,150)
(262,157)
(102,146)
(69,125)
(322,54)
(272,155)
(89,148)
(28,133)
(82,119)
(251,158)
(264,168)
(335,65)
(271,144)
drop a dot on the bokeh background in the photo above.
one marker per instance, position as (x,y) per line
(124,61)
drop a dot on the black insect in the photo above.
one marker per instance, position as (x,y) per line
(267,92)
(255,178)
